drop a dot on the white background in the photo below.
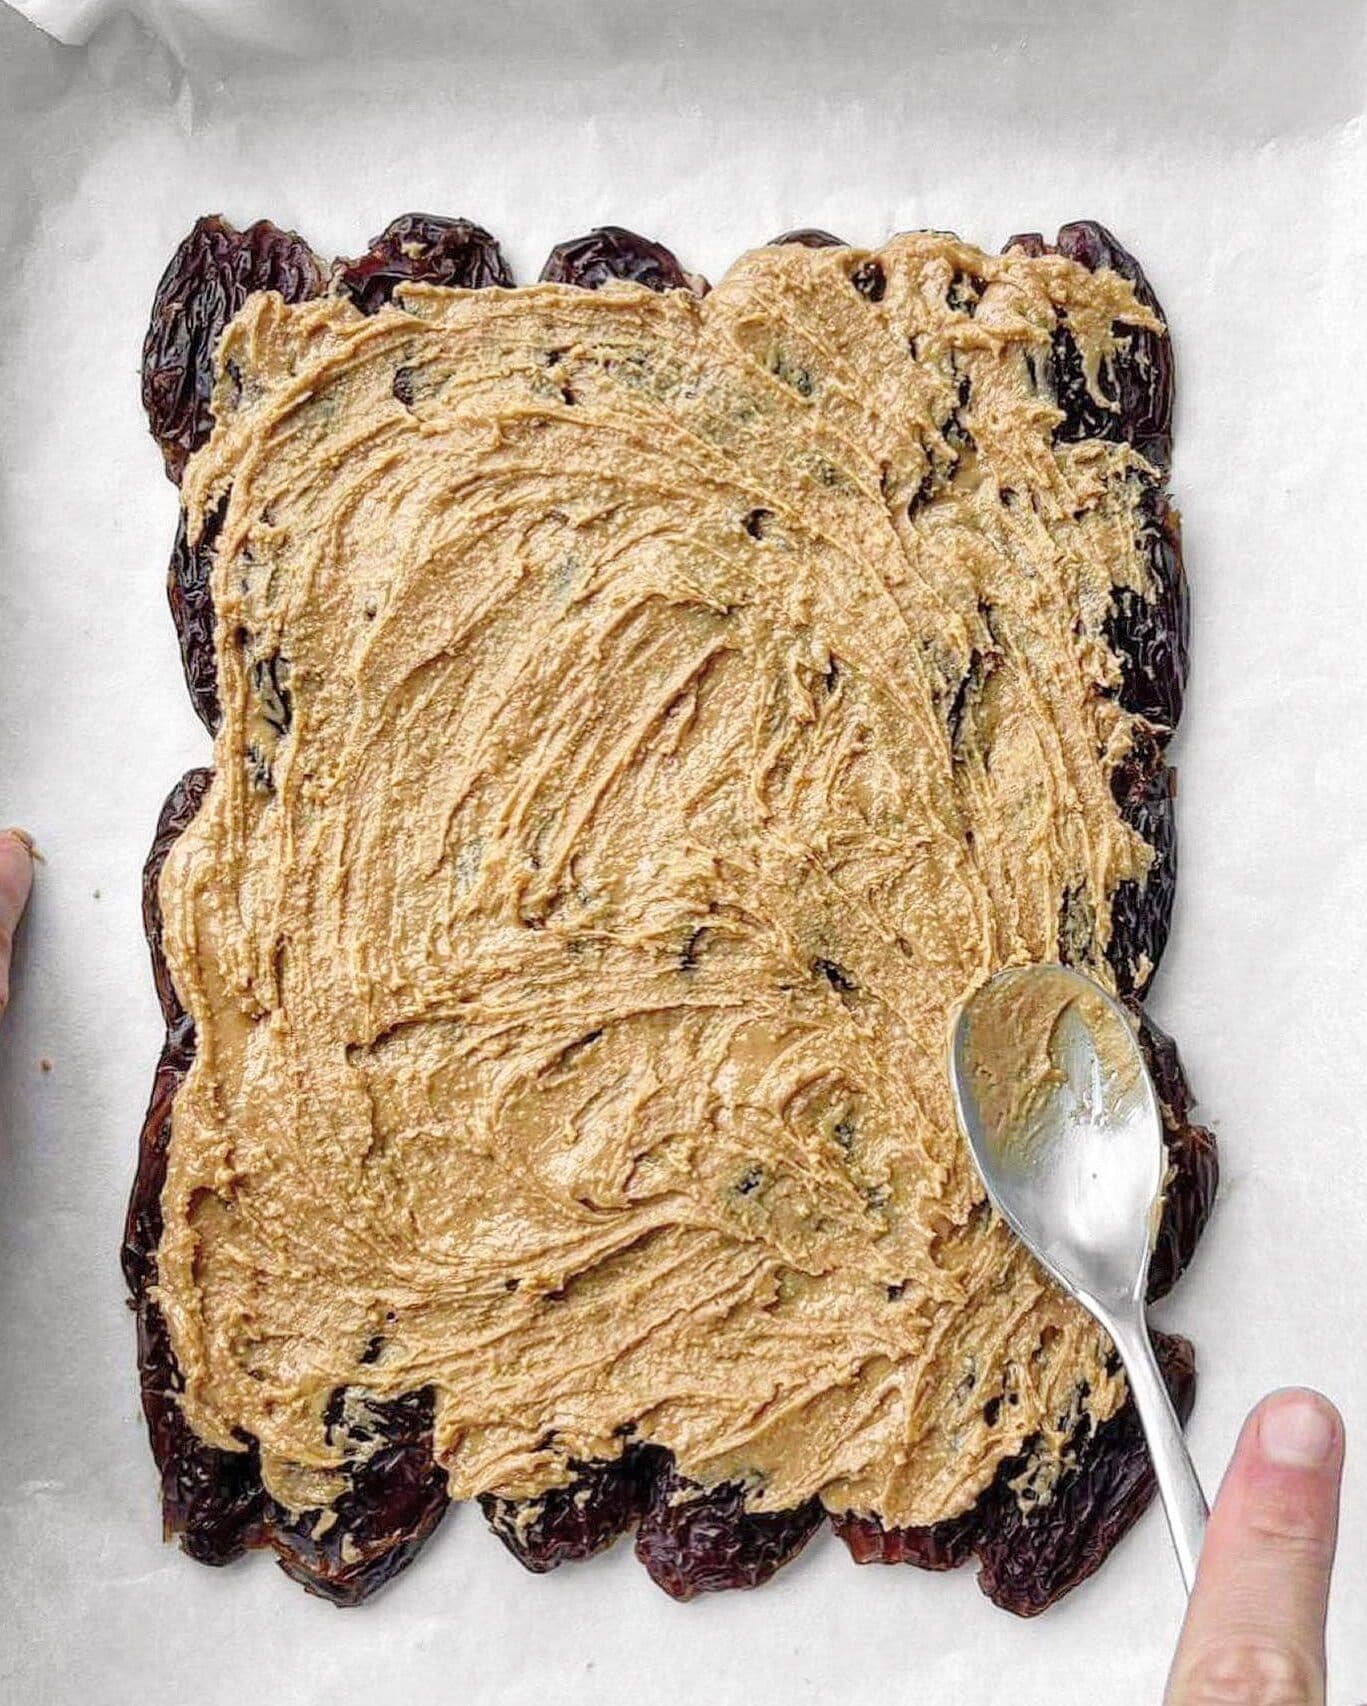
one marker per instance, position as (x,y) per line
(1226,144)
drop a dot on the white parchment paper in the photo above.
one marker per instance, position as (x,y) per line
(1225,143)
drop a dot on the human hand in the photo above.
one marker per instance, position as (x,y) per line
(16,877)
(1254,1634)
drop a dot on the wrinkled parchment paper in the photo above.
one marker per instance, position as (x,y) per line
(1225,144)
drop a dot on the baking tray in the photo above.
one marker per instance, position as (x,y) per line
(1226,145)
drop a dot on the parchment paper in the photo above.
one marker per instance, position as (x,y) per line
(1225,143)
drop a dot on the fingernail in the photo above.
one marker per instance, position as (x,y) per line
(1297,1433)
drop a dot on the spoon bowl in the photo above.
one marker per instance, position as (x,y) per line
(1061,1115)
(1062,1119)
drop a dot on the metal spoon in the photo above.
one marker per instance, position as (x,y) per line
(1061,1116)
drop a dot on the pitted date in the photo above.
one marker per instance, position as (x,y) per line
(142,1227)
(192,611)
(938,1546)
(175,816)
(211,1500)
(694,1540)
(605,1499)
(421,248)
(1138,407)
(808,237)
(1151,636)
(1192,1156)
(211,275)
(610,253)
(1142,367)
(396,1497)
(1030,1558)
(1141,911)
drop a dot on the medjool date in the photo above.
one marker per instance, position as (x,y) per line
(1141,367)
(1192,1157)
(808,237)
(421,248)
(211,1499)
(1150,635)
(696,1540)
(938,1546)
(396,1497)
(603,1501)
(609,253)
(1031,1554)
(1137,379)
(1141,911)
(192,611)
(211,275)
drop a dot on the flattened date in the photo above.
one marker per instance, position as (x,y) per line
(211,275)
(396,1497)
(1030,1557)
(568,1523)
(614,253)
(1192,1158)
(694,1540)
(422,248)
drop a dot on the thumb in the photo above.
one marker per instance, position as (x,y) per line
(16,876)
(1255,1625)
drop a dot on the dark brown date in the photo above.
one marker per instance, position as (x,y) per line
(192,611)
(609,253)
(212,1499)
(396,1497)
(1141,368)
(694,1540)
(1138,406)
(604,1500)
(175,816)
(421,248)
(808,237)
(1192,1155)
(1151,636)
(1141,911)
(211,275)
(1031,1557)
(938,1546)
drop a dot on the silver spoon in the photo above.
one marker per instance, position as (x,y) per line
(1061,1116)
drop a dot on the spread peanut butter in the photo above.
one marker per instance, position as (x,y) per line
(645,719)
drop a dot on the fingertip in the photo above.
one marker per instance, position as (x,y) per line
(16,867)
(1297,1428)
(16,878)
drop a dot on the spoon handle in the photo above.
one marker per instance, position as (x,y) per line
(1184,1504)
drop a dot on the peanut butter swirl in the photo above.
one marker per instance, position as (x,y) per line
(645,718)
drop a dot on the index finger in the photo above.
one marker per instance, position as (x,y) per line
(16,878)
(1255,1624)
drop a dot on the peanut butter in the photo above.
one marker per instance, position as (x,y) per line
(645,718)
